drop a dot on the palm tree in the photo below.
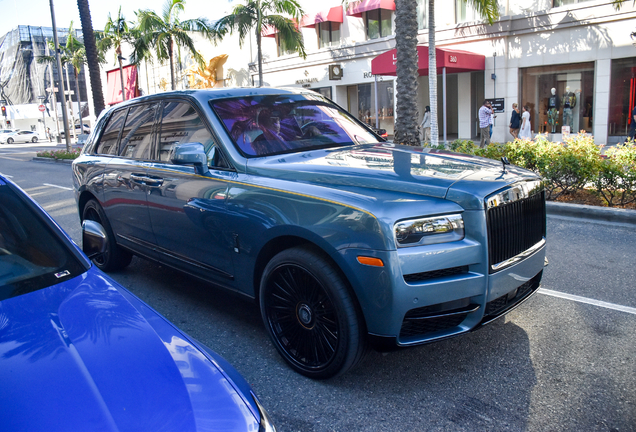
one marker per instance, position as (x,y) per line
(76,57)
(487,9)
(115,33)
(258,15)
(91,56)
(160,34)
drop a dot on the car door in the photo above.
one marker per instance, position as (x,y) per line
(126,184)
(187,210)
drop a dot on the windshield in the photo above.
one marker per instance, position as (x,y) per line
(32,257)
(273,124)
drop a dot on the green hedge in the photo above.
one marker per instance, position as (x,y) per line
(569,167)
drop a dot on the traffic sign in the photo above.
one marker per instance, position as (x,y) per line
(42,108)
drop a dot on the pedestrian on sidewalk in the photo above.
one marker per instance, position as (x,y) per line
(515,121)
(48,134)
(426,124)
(485,114)
(526,128)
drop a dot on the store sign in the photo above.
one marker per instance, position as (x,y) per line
(307,81)
(452,59)
(498,105)
(370,75)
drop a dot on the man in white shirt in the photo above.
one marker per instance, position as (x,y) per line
(485,114)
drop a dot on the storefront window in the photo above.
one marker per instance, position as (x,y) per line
(622,96)
(328,34)
(559,95)
(366,104)
(282,46)
(378,23)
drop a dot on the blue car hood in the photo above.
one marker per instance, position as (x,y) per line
(461,178)
(84,355)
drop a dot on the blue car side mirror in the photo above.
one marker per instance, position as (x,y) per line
(93,239)
(190,154)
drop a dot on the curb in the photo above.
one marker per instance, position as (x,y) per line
(583,211)
(52,160)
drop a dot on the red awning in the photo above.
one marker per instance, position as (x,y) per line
(356,9)
(332,15)
(455,61)
(113,93)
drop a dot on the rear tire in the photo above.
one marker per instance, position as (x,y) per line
(310,314)
(9,140)
(114,258)
(34,139)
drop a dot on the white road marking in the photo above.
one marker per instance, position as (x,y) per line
(61,187)
(586,300)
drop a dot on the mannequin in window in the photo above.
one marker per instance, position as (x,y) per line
(553,110)
(569,102)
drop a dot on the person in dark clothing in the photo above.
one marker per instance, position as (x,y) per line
(515,121)
(632,126)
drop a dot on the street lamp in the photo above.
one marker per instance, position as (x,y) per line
(59,68)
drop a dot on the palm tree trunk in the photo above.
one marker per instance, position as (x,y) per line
(121,73)
(259,55)
(171,54)
(79,101)
(406,70)
(91,56)
(432,73)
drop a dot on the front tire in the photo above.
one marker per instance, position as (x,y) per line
(310,315)
(9,140)
(114,257)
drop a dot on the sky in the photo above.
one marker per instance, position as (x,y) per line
(38,12)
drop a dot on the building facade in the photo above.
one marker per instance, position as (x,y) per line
(26,83)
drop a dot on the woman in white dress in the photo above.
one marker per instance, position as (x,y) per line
(526,129)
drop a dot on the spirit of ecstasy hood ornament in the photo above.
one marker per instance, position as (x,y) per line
(504,162)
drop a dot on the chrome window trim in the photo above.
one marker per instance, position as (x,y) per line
(523,255)
(514,192)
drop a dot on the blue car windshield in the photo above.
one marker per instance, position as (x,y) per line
(273,124)
(32,256)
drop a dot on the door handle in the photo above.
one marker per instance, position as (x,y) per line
(138,178)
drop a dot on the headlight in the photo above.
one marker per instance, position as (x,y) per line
(425,231)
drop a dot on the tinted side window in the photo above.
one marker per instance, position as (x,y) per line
(181,124)
(110,137)
(136,136)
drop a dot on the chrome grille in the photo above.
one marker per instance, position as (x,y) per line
(514,226)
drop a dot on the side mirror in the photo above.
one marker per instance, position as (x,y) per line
(191,154)
(93,238)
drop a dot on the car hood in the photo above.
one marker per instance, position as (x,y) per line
(461,178)
(82,355)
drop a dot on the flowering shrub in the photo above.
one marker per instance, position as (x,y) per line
(60,154)
(571,166)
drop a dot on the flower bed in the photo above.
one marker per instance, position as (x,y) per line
(59,154)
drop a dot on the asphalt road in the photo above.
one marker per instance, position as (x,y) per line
(554,364)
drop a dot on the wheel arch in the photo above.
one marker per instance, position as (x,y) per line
(280,243)
(84,197)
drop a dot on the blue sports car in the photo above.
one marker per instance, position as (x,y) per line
(78,352)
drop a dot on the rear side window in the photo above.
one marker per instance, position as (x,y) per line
(136,137)
(110,137)
(181,124)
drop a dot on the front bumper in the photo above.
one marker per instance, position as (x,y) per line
(456,296)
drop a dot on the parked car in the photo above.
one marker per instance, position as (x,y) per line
(79,352)
(344,240)
(78,131)
(19,137)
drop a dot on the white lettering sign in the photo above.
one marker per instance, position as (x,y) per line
(452,59)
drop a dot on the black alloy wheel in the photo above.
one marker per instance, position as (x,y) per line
(310,314)
(114,257)
(9,140)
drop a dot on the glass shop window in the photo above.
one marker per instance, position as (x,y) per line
(557,96)
(623,96)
